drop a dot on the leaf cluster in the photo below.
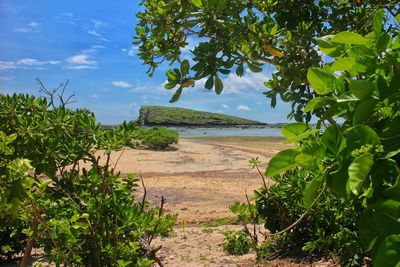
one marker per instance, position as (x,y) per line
(357,159)
(230,37)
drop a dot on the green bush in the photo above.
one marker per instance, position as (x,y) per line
(328,230)
(237,243)
(158,137)
(79,217)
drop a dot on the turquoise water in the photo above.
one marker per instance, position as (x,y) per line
(234,131)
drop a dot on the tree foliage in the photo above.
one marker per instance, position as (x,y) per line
(229,36)
(61,196)
(348,79)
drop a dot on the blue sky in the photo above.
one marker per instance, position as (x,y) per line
(89,43)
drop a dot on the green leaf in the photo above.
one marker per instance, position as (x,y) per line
(361,135)
(172,76)
(294,131)
(185,67)
(337,181)
(349,64)
(393,192)
(334,142)
(209,83)
(254,68)
(219,86)
(389,252)
(331,49)
(274,29)
(197,3)
(311,154)
(176,96)
(364,110)
(281,162)
(387,217)
(378,21)
(362,89)
(170,85)
(318,102)
(383,42)
(240,70)
(358,171)
(368,231)
(349,38)
(321,81)
(311,190)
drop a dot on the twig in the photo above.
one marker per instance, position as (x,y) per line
(254,237)
(144,192)
(263,178)
(29,243)
(120,155)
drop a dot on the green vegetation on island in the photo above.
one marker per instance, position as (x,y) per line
(170,116)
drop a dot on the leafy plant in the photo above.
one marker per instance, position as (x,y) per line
(158,137)
(79,210)
(329,229)
(358,159)
(237,243)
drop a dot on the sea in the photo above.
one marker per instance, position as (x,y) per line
(228,131)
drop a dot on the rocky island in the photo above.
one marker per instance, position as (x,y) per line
(171,116)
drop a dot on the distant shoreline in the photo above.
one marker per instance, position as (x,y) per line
(200,126)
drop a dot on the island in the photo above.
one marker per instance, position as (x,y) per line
(172,116)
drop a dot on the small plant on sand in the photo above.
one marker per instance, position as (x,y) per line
(237,243)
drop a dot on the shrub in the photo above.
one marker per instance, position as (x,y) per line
(80,217)
(328,230)
(237,243)
(158,137)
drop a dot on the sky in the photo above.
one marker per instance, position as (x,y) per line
(89,43)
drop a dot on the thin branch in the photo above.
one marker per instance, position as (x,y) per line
(120,155)
(263,177)
(144,192)
(254,236)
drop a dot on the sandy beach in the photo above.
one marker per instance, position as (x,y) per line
(201,178)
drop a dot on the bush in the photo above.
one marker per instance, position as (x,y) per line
(328,230)
(80,217)
(237,243)
(158,137)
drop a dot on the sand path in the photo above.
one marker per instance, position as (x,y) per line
(201,178)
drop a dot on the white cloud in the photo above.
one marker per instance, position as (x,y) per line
(68,18)
(95,96)
(7,65)
(96,27)
(30,27)
(81,60)
(24,62)
(34,24)
(250,84)
(242,107)
(132,51)
(84,60)
(35,62)
(121,84)
(225,106)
